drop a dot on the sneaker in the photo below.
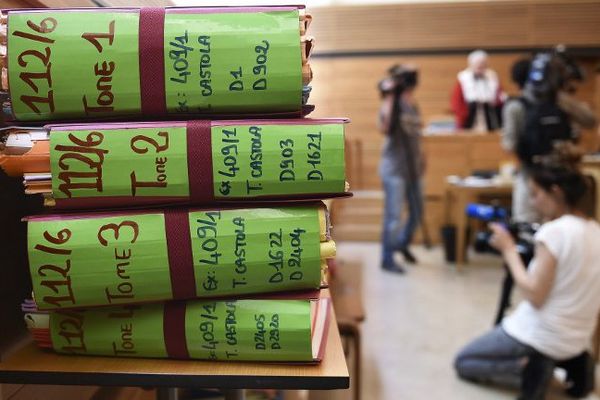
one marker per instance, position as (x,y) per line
(393,267)
(580,374)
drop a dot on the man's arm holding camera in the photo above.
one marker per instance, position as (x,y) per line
(535,283)
(579,112)
(385,114)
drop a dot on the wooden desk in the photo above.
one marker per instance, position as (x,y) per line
(591,167)
(457,197)
(31,365)
(459,154)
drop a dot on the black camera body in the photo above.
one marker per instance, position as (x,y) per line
(553,71)
(399,78)
(522,232)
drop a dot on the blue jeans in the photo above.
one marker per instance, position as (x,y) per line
(397,233)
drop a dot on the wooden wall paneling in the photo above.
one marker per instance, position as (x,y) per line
(596,92)
(570,22)
(8,390)
(506,25)
(52,392)
(18,4)
(486,154)
(348,86)
(83,3)
(451,25)
(439,25)
(439,35)
(137,3)
(55,392)
(370,154)
(47,3)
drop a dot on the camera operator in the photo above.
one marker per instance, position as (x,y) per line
(556,319)
(572,75)
(546,89)
(402,163)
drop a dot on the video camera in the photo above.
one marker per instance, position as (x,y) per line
(553,71)
(571,70)
(521,232)
(400,77)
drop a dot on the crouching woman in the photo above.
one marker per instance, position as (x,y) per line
(561,289)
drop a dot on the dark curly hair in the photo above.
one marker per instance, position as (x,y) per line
(571,182)
(520,71)
(561,169)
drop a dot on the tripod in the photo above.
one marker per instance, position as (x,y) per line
(507,287)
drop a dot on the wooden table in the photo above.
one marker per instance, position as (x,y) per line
(457,197)
(30,365)
(591,167)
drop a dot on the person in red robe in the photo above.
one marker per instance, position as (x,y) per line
(477,96)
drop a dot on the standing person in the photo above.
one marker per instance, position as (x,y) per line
(556,320)
(572,75)
(402,164)
(513,117)
(477,96)
(545,112)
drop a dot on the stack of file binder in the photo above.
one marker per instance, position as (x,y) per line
(181,180)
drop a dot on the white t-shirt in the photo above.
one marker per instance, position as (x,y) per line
(563,326)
